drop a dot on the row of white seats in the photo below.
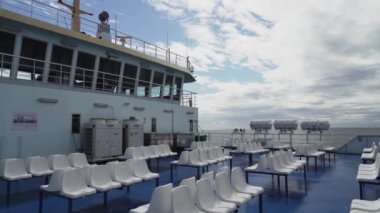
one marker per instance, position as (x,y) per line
(372,154)
(148,152)
(16,169)
(369,172)
(201,157)
(370,149)
(251,148)
(211,194)
(75,183)
(279,162)
(309,150)
(204,145)
(276,145)
(365,206)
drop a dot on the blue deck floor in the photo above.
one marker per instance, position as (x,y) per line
(330,189)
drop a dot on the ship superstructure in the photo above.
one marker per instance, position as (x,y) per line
(54,79)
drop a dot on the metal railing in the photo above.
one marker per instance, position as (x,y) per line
(60,18)
(331,139)
(60,74)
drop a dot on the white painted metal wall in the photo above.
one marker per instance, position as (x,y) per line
(53,134)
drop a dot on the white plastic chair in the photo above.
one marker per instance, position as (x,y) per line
(239,184)
(101,180)
(55,183)
(38,166)
(225,169)
(123,173)
(149,152)
(13,169)
(167,150)
(128,153)
(208,202)
(209,176)
(183,159)
(194,159)
(181,196)
(160,202)
(78,160)
(74,185)
(141,170)
(59,161)
(190,183)
(204,157)
(225,191)
(365,205)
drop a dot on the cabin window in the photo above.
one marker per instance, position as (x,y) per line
(168,86)
(177,89)
(108,75)
(84,71)
(191,124)
(7,43)
(60,65)
(157,84)
(144,82)
(32,60)
(129,79)
(154,125)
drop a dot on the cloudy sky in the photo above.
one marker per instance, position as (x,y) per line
(268,59)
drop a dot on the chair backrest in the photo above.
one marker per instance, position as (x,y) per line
(222,185)
(262,164)
(78,160)
(55,183)
(140,168)
(203,155)
(190,182)
(13,167)
(72,181)
(166,148)
(86,173)
(153,150)
(181,196)
(128,153)
(209,176)
(237,178)
(99,176)
(138,152)
(225,169)
(37,164)
(161,201)
(205,194)
(121,171)
(219,152)
(147,152)
(212,153)
(193,157)
(157,150)
(184,158)
(59,161)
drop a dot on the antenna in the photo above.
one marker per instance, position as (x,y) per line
(186,45)
(167,33)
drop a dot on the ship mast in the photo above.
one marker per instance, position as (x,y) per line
(76,11)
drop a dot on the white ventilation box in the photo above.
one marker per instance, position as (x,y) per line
(103,139)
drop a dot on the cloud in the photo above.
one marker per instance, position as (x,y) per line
(317,58)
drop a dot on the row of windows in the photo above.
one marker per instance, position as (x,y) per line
(143,82)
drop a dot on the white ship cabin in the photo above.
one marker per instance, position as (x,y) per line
(54,80)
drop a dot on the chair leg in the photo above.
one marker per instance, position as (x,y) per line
(157,181)
(171,173)
(70,209)
(105,198)
(158,164)
(315,162)
(8,193)
(46,179)
(246,177)
(278,182)
(361,190)
(41,201)
(261,203)
(198,172)
(286,186)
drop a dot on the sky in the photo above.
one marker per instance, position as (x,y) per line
(267,59)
